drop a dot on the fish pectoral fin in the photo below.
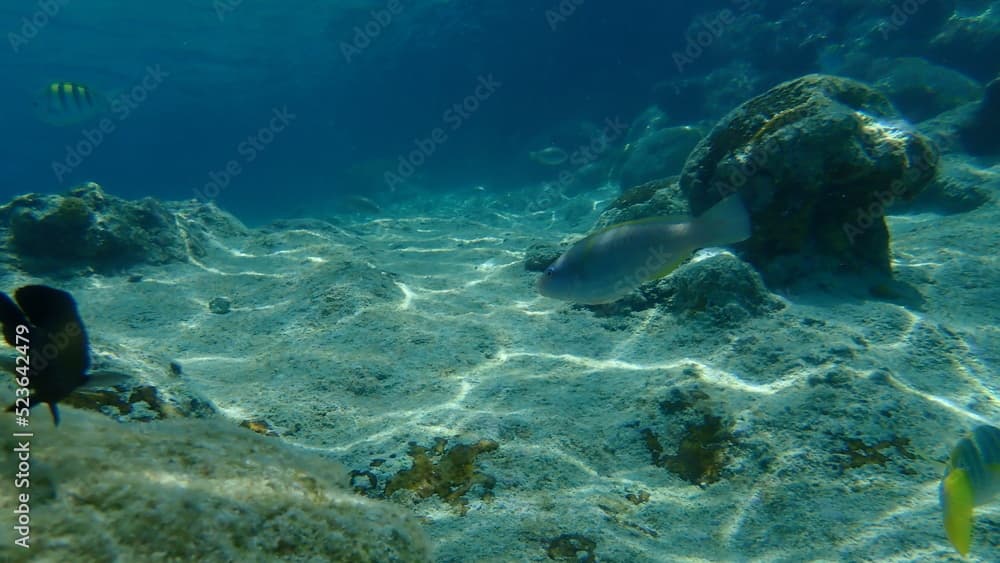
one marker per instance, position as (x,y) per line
(957,500)
(666,269)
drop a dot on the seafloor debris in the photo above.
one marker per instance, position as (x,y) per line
(572,547)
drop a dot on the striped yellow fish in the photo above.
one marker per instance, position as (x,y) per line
(69,103)
(972,478)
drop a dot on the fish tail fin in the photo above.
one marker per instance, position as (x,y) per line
(725,222)
(957,501)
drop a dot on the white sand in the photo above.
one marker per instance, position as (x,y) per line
(355,340)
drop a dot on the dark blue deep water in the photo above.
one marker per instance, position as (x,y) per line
(366,80)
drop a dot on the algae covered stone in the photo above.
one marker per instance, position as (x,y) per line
(86,228)
(193,490)
(817,160)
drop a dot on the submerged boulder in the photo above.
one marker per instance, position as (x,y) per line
(654,150)
(87,228)
(816,161)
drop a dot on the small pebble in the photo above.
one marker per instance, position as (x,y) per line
(219,305)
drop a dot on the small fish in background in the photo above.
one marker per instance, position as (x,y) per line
(549,156)
(609,264)
(362,204)
(971,479)
(69,103)
(58,354)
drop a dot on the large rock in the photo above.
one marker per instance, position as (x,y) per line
(969,43)
(816,160)
(921,89)
(86,228)
(191,490)
(655,150)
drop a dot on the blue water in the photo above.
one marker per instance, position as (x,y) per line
(228,66)
(277,110)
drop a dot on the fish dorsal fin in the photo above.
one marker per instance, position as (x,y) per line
(665,219)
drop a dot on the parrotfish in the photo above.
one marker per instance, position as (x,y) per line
(69,103)
(45,328)
(609,264)
(971,479)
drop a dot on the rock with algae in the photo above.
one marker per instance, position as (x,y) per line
(87,228)
(448,473)
(187,490)
(816,160)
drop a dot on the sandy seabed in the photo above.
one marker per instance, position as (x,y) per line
(354,337)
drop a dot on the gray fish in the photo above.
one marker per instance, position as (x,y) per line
(69,103)
(611,263)
(45,327)
(549,156)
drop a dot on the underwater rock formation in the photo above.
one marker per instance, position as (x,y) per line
(816,160)
(657,198)
(87,228)
(654,151)
(979,134)
(920,89)
(193,490)
(968,43)
(722,286)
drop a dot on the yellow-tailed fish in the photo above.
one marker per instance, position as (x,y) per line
(69,103)
(610,263)
(972,478)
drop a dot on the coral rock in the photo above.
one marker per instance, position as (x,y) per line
(816,160)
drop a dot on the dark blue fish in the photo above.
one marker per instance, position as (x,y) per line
(55,342)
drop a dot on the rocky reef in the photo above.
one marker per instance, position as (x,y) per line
(88,229)
(194,490)
(816,160)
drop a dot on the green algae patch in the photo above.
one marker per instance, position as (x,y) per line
(448,473)
(699,453)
